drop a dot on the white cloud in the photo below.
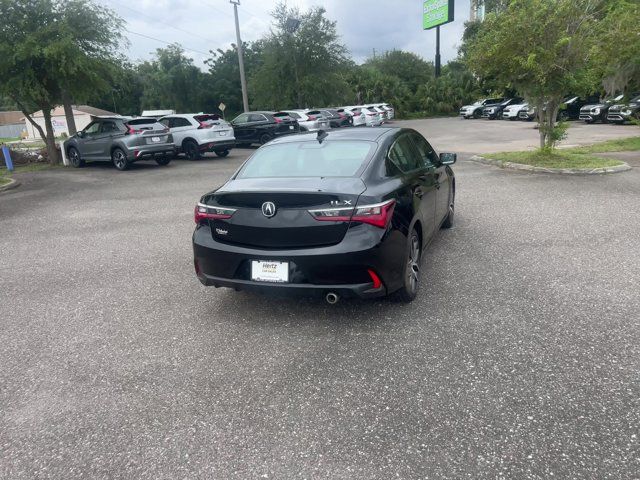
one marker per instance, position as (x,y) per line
(365,25)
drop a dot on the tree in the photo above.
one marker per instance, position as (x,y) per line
(36,46)
(302,66)
(547,58)
(410,68)
(616,56)
(225,74)
(92,42)
(172,81)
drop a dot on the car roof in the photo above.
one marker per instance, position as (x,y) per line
(370,134)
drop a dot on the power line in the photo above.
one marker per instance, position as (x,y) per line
(166,43)
(165,23)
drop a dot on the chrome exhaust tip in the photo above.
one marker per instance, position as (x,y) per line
(332,298)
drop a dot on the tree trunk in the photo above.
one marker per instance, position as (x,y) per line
(50,139)
(68,113)
(541,127)
(552,114)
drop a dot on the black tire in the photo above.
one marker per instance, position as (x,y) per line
(448,221)
(191,150)
(477,114)
(120,160)
(74,158)
(222,153)
(411,282)
(264,138)
(163,161)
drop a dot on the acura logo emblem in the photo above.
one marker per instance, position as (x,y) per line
(268,209)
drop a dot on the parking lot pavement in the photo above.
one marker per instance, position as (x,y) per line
(519,358)
(485,136)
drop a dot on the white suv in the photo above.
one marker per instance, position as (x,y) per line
(197,133)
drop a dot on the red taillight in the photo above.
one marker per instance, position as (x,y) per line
(204,125)
(312,117)
(207,212)
(133,131)
(378,215)
(377,283)
(278,120)
(342,115)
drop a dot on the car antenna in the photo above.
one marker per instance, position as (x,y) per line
(322,135)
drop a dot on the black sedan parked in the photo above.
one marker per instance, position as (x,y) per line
(341,213)
(262,127)
(121,140)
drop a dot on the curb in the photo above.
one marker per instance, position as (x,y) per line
(12,184)
(558,171)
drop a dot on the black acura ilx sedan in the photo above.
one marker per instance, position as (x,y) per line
(341,213)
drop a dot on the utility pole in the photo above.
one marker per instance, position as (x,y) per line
(243,80)
(437,51)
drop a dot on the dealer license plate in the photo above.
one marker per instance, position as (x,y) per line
(155,139)
(268,271)
(222,134)
(290,127)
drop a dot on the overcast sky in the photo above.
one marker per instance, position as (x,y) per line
(203,25)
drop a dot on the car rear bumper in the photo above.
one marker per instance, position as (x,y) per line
(146,151)
(363,290)
(218,145)
(341,268)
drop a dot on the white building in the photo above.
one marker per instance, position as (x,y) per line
(83,115)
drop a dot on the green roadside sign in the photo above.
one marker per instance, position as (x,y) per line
(436,12)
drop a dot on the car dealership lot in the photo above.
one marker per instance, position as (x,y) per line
(518,359)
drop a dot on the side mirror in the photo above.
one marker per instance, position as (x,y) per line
(80,133)
(448,158)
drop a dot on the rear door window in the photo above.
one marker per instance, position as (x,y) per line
(180,122)
(109,127)
(243,118)
(426,151)
(257,117)
(404,156)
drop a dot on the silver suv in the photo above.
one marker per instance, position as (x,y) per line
(121,140)
(197,133)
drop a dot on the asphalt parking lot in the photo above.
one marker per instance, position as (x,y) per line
(520,358)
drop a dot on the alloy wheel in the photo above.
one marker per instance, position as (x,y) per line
(74,157)
(413,264)
(119,160)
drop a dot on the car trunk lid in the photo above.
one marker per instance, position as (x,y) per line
(274,213)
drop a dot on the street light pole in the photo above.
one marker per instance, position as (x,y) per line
(243,80)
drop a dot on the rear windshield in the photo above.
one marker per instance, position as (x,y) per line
(341,158)
(281,115)
(292,114)
(142,121)
(207,118)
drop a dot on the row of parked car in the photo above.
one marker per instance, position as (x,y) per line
(125,140)
(589,109)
